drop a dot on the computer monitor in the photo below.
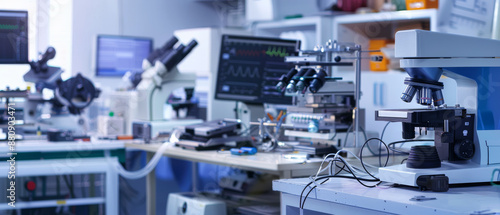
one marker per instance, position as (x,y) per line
(116,55)
(13,37)
(250,67)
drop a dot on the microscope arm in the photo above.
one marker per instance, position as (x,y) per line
(159,81)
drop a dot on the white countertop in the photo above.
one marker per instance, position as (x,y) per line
(267,162)
(461,200)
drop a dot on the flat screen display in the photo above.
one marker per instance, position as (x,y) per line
(13,37)
(118,54)
(250,67)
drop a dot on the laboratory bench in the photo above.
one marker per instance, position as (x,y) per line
(272,163)
(44,158)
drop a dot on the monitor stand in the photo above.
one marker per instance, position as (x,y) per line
(250,113)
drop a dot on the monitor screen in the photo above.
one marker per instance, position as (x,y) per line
(13,37)
(250,67)
(118,54)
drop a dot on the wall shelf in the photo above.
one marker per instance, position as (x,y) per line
(316,29)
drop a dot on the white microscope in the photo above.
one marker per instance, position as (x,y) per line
(467,135)
(159,79)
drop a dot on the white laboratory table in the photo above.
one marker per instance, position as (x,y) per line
(76,160)
(272,163)
(346,196)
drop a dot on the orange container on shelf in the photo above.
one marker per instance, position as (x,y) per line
(421,4)
(378,66)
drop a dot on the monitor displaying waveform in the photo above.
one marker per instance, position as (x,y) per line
(250,66)
(13,37)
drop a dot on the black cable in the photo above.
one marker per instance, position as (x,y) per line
(319,178)
(339,176)
(335,135)
(311,191)
(405,141)
(349,130)
(393,148)
(58,186)
(361,155)
(70,187)
(380,144)
(331,167)
(399,151)
(359,179)
(72,183)
(236,110)
(347,135)
(404,160)
(366,138)
(375,179)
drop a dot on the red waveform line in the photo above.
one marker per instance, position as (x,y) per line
(248,53)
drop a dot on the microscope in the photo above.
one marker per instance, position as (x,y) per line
(467,136)
(325,108)
(158,80)
(72,95)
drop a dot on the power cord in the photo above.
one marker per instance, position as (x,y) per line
(301,203)
(361,154)
(302,193)
(393,148)
(349,130)
(350,170)
(402,161)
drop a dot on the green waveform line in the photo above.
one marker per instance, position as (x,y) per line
(8,27)
(281,52)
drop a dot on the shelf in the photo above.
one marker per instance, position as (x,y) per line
(314,30)
(408,15)
(291,24)
(361,28)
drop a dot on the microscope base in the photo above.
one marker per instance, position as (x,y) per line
(143,129)
(457,173)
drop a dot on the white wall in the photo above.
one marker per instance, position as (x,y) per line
(60,34)
(160,18)
(91,17)
(293,7)
(149,18)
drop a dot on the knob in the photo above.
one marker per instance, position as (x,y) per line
(464,150)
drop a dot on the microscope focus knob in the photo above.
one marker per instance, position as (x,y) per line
(464,150)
